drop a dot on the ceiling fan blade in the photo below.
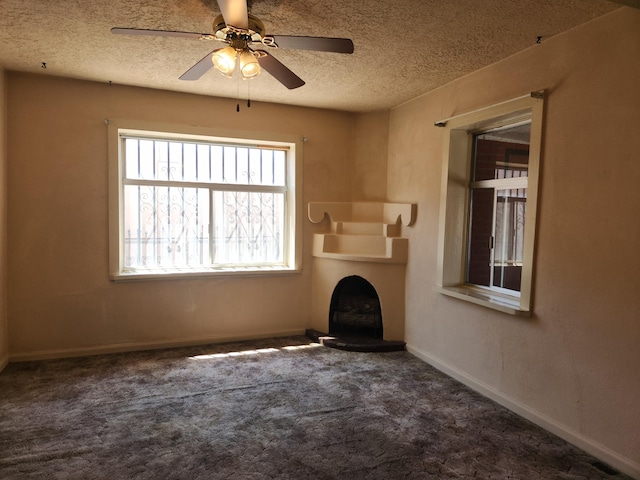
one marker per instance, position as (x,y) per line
(234,13)
(160,33)
(279,71)
(199,69)
(320,44)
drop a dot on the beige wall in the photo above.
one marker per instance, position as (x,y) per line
(60,298)
(369,162)
(4,327)
(574,366)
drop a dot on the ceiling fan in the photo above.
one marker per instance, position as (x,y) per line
(242,32)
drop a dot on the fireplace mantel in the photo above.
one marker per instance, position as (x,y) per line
(362,231)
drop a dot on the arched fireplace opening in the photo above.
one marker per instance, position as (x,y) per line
(355,309)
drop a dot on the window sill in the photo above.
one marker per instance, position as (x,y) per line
(495,301)
(179,274)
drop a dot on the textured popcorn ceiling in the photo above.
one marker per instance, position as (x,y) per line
(403,48)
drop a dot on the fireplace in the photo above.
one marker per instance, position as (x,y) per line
(359,267)
(355,308)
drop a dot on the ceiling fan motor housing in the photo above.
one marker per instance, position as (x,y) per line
(234,35)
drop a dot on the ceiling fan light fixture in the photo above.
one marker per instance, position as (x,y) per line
(225,60)
(249,66)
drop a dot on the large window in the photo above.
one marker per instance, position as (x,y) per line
(197,204)
(488,214)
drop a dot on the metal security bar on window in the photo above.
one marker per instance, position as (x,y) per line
(195,205)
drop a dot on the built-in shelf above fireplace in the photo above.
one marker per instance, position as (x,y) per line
(362,231)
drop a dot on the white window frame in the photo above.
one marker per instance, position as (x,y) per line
(119,129)
(454,202)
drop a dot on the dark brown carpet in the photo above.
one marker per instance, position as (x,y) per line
(278,408)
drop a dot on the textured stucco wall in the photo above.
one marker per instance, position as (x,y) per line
(369,162)
(574,364)
(60,297)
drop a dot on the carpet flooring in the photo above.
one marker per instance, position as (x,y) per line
(280,408)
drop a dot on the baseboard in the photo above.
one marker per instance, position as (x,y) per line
(138,346)
(624,464)
(4,361)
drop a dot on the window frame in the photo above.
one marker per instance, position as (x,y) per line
(454,205)
(119,129)
(497,185)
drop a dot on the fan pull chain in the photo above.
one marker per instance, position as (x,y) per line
(248,96)
(238,94)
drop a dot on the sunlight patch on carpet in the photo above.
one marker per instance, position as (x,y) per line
(258,351)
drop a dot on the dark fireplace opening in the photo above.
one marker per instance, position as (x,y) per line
(355,308)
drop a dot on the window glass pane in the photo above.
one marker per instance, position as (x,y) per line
(509,238)
(176,162)
(217,164)
(229,165)
(242,166)
(279,167)
(502,154)
(255,174)
(165,227)
(203,160)
(266,167)
(132,159)
(160,162)
(480,232)
(190,162)
(248,228)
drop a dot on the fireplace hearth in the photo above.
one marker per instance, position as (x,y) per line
(354,343)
